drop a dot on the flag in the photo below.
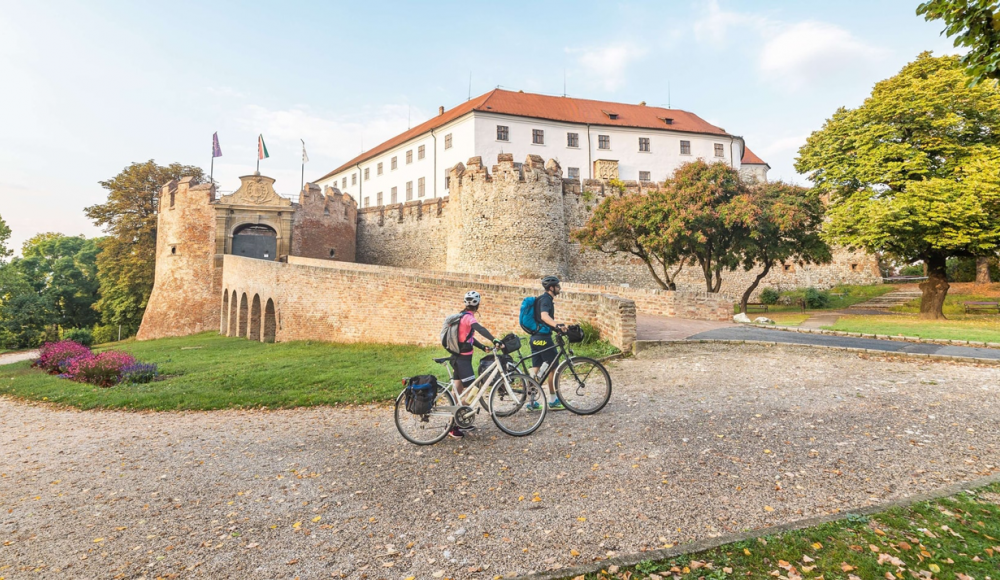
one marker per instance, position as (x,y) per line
(305,158)
(216,150)
(261,148)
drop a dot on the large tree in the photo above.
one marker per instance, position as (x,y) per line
(913,171)
(975,24)
(126,264)
(63,269)
(781,223)
(5,252)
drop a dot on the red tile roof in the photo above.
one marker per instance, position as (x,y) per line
(554,109)
(750,158)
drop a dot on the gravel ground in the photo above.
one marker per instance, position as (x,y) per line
(698,440)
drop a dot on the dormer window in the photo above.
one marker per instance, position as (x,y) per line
(612,116)
(667,120)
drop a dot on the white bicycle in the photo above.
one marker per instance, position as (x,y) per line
(510,396)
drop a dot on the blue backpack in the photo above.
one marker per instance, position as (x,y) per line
(529,318)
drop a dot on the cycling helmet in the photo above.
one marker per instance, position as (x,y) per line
(472,298)
(549,281)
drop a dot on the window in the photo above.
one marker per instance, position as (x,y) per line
(392,196)
(538,137)
(420,187)
(354,179)
(333,252)
(393,164)
(409,157)
(378,169)
(409,191)
(572,139)
(366,201)
(503,133)
(366,173)
(447,141)
(604,141)
(644,144)
(720,151)
(447,179)
(378,198)
(420,152)
(685,147)
(573,172)
(344,183)
(643,176)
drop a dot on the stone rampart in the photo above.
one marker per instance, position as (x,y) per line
(324,225)
(340,302)
(412,234)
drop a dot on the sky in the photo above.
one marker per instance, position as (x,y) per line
(89,88)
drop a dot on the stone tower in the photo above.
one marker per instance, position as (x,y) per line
(325,226)
(510,223)
(188,278)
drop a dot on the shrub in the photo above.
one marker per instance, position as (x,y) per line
(817,298)
(103,370)
(769,296)
(104,334)
(55,354)
(591,333)
(912,270)
(138,373)
(81,335)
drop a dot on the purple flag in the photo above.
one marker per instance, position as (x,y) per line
(216,150)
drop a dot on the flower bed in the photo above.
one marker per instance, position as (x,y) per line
(74,361)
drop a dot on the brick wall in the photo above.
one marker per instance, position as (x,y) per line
(339,302)
(325,224)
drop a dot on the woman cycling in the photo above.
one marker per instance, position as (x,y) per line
(463,374)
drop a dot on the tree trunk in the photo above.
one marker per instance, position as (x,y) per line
(706,269)
(749,291)
(717,285)
(935,288)
(983,270)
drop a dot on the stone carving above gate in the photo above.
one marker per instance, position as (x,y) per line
(255,190)
(606,169)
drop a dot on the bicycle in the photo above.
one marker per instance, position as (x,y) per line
(510,393)
(581,390)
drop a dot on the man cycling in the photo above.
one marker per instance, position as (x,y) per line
(463,374)
(543,339)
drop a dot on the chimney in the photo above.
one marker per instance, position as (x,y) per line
(642,103)
(441,110)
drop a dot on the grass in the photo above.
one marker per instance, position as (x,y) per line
(976,328)
(207,371)
(841,296)
(953,304)
(785,318)
(952,538)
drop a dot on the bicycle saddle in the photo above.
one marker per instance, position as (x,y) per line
(442,359)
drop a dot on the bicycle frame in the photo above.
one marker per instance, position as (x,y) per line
(559,345)
(485,378)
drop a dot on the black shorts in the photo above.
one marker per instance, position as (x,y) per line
(462,369)
(541,342)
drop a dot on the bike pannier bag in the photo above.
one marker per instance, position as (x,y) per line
(574,333)
(486,361)
(511,343)
(421,391)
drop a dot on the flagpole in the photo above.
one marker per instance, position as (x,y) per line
(302,182)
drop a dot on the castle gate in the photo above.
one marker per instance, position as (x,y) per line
(255,241)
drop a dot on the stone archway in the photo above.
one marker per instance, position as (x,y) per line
(233,318)
(270,322)
(244,311)
(258,241)
(255,318)
(224,324)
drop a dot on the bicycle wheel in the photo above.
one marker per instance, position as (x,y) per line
(425,429)
(583,385)
(520,409)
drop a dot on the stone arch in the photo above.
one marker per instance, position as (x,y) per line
(255,240)
(224,324)
(255,318)
(232,315)
(244,311)
(270,322)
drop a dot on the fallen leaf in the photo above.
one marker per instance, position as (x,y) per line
(904,546)
(768,508)
(879,532)
(574,553)
(581,519)
(317,518)
(297,525)
(934,568)
(461,516)
(98,540)
(846,567)
(817,546)
(290,562)
(746,551)
(873,548)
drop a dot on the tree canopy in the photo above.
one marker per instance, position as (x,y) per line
(5,252)
(975,24)
(913,171)
(126,264)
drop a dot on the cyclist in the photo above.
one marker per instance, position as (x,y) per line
(463,373)
(546,312)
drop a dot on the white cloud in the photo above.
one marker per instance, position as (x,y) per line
(225,92)
(807,52)
(717,25)
(607,64)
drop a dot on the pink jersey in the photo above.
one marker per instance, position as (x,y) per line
(465,327)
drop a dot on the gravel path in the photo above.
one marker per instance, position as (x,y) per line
(13,357)
(698,440)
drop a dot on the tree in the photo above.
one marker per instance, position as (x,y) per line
(629,223)
(913,172)
(63,269)
(126,264)
(5,252)
(975,24)
(782,223)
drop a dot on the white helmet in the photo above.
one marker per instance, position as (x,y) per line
(472,298)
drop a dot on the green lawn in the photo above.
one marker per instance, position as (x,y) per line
(951,538)
(784,318)
(840,297)
(953,305)
(208,371)
(977,328)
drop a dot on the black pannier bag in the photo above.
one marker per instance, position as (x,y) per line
(511,343)
(574,333)
(486,361)
(421,391)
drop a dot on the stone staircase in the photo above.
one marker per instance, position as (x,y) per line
(887,301)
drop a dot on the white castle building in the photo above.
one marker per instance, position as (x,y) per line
(589,139)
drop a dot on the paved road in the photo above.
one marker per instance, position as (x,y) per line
(764,334)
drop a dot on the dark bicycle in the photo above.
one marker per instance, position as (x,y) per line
(582,383)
